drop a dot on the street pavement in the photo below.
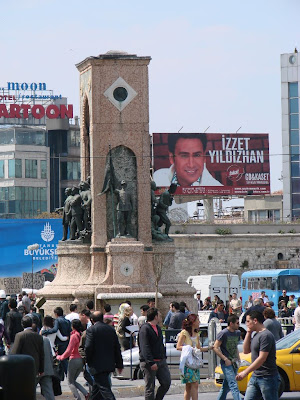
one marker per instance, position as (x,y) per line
(127,389)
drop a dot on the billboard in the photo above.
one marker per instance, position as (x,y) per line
(212,163)
(17,234)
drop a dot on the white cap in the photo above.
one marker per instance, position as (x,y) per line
(2,294)
(199,292)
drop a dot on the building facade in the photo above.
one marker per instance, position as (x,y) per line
(290,76)
(37,163)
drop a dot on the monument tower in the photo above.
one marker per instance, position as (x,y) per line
(120,261)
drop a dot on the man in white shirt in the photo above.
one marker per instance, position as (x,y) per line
(73,313)
(236,305)
(187,158)
(296,318)
(264,297)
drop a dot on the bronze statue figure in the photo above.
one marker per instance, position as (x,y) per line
(86,197)
(77,213)
(124,208)
(159,212)
(66,213)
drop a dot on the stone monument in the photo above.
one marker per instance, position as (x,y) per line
(115,147)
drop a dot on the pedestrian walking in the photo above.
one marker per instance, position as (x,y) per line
(226,348)
(177,317)
(189,338)
(236,305)
(103,356)
(45,381)
(73,313)
(219,312)
(30,343)
(47,325)
(75,366)
(153,357)
(13,321)
(64,326)
(272,324)
(124,334)
(265,379)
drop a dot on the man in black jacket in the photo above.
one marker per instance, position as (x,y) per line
(257,306)
(153,357)
(13,321)
(103,355)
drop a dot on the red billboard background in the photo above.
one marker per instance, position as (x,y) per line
(238,162)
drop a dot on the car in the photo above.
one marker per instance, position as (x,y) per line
(131,359)
(288,364)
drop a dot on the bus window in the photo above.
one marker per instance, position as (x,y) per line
(244,283)
(262,283)
(269,283)
(255,283)
(290,283)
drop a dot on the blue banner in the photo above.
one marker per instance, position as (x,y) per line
(17,234)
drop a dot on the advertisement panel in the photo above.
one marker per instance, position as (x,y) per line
(17,234)
(212,163)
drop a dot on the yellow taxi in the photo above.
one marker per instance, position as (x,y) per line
(288,363)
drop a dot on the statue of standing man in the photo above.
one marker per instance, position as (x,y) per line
(124,208)
(66,213)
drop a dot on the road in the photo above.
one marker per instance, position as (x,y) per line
(213,396)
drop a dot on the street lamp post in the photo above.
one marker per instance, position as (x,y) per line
(32,247)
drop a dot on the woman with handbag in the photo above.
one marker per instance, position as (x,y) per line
(189,336)
(75,366)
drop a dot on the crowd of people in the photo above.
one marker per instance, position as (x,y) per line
(90,341)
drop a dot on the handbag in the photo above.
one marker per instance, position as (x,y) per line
(195,359)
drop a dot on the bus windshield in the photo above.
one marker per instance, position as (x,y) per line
(291,283)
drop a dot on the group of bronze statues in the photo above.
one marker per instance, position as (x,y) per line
(77,211)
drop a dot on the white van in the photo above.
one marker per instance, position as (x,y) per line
(211,285)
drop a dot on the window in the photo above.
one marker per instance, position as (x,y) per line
(244,284)
(7,137)
(70,170)
(296,185)
(295,153)
(1,168)
(294,106)
(30,168)
(295,169)
(43,169)
(22,202)
(15,168)
(31,137)
(74,138)
(290,283)
(294,121)
(293,89)
(294,137)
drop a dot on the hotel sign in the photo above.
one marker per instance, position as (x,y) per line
(19,101)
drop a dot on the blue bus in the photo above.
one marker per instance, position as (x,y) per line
(272,281)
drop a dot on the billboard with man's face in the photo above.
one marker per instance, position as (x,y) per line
(212,163)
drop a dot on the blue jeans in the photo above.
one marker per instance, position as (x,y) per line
(265,386)
(229,383)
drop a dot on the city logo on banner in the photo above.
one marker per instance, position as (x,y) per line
(47,234)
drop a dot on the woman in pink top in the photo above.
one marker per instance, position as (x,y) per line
(75,361)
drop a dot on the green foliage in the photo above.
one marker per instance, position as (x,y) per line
(292,231)
(177,232)
(281,231)
(210,257)
(223,231)
(245,264)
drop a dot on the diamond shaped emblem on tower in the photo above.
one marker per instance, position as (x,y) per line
(120,94)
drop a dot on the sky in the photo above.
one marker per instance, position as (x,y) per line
(214,63)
